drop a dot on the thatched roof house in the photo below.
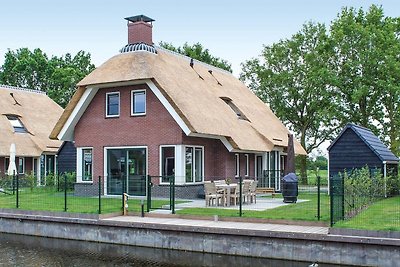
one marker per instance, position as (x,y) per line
(26,119)
(188,105)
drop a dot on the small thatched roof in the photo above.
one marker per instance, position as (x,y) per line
(199,101)
(37,112)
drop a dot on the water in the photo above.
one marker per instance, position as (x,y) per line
(28,251)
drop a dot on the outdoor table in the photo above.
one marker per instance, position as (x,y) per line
(227,192)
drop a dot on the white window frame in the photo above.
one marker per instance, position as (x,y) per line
(105,166)
(194,160)
(161,163)
(237,165)
(247,170)
(79,166)
(83,174)
(119,104)
(23,165)
(145,100)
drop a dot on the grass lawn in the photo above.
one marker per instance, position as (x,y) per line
(54,201)
(382,215)
(305,211)
(312,177)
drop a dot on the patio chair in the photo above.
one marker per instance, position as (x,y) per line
(218,182)
(235,195)
(253,192)
(246,191)
(211,194)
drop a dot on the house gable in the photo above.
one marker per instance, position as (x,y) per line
(157,126)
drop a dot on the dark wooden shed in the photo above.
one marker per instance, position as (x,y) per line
(357,147)
(66,157)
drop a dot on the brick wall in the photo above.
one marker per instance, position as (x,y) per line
(156,128)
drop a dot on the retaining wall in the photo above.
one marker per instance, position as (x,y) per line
(278,245)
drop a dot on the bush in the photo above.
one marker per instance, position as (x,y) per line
(361,188)
(51,180)
(393,185)
(69,178)
(30,180)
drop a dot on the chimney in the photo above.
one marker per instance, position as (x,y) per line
(140,29)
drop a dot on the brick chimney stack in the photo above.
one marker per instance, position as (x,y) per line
(140,29)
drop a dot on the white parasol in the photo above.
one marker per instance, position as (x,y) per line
(12,169)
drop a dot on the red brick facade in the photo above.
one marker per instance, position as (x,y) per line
(155,128)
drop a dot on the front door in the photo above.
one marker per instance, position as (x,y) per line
(126,171)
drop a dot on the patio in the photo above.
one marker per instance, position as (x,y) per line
(263,203)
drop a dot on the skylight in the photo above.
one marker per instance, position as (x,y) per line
(235,109)
(16,124)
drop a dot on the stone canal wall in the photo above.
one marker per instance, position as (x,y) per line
(348,250)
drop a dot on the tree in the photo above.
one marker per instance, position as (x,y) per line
(25,68)
(197,51)
(294,79)
(57,76)
(367,66)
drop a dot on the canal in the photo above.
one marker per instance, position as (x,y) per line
(29,251)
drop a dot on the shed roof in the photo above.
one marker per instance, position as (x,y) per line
(196,93)
(38,114)
(371,140)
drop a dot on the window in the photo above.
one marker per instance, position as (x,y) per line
(112,104)
(235,109)
(16,124)
(87,164)
(247,171)
(237,165)
(194,164)
(21,165)
(6,164)
(167,163)
(138,102)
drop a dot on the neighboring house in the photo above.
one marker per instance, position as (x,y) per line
(150,111)
(26,119)
(357,147)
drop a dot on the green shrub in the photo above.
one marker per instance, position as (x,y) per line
(30,180)
(51,180)
(393,185)
(362,187)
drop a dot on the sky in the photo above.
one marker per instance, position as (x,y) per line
(233,30)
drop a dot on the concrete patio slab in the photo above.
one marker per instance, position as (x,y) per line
(262,204)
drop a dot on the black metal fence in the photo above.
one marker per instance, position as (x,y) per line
(365,199)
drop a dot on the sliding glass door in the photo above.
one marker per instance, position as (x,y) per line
(126,171)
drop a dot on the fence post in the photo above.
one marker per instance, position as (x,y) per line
(13,183)
(319,197)
(331,193)
(17,189)
(342,196)
(148,193)
(123,191)
(173,194)
(65,193)
(100,182)
(240,194)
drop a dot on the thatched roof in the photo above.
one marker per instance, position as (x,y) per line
(198,101)
(37,112)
